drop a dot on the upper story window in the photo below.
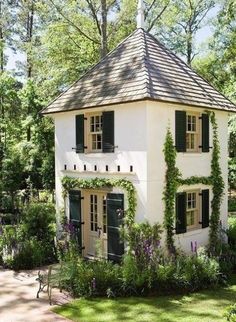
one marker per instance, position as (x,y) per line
(191,132)
(95,132)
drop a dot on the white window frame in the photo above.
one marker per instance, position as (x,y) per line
(89,133)
(196,209)
(191,132)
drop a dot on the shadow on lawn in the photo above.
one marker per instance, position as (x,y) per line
(203,306)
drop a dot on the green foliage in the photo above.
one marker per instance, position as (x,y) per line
(89,278)
(39,220)
(182,273)
(172,180)
(217,189)
(230,313)
(231,232)
(32,253)
(96,183)
(232,204)
(31,243)
(232,172)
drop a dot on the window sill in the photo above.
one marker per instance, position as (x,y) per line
(192,232)
(193,154)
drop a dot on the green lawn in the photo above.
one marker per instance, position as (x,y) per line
(205,306)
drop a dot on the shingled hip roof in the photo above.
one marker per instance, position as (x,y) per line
(140,68)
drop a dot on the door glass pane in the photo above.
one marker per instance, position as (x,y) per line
(93,213)
(104,211)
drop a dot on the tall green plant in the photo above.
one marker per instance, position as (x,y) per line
(217,188)
(171,178)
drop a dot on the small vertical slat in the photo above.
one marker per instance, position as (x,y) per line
(205,208)
(205,133)
(108,132)
(180,131)
(79,133)
(115,210)
(181,225)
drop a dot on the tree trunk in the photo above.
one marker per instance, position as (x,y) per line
(189,47)
(29,32)
(1,40)
(104,46)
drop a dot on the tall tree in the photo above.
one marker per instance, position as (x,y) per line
(185,18)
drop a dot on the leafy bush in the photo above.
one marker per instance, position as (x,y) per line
(32,253)
(39,220)
(198,271)
(31,243)
(230,313)
(232,205)
(232,232)
(93,278)
(181,273)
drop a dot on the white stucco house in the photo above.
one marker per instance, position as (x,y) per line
(112,123)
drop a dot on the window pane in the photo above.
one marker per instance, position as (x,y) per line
(190,218)
(193,123)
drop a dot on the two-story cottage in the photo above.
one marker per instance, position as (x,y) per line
(112,123)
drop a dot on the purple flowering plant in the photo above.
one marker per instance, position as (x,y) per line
(144,243)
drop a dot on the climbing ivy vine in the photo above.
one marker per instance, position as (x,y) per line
(69,183)
(173,179)
(217,188)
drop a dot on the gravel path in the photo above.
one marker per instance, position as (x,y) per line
(18,298)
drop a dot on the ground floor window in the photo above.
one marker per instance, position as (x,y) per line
(192,209)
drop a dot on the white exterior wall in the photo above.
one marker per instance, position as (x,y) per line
(131,142)
(140,130)
(159,117)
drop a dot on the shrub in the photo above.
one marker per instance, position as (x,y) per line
(232,205)
(231,232)
(30,255)
(230,313)
(39,220)
(135,279)
(198,271)
(90,278)
(31,243)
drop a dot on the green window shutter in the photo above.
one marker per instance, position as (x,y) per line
(79,133)
(75,214)
(108,132)
(115,210)
(180,131)
(205,208)
(180,207)
(205,133)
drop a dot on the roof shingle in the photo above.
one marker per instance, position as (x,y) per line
(140,68)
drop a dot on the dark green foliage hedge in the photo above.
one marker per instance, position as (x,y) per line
(161,275)
(31,243)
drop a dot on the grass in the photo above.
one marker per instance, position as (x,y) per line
(204,306)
